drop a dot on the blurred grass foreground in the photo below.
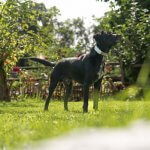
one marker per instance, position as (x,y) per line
(23,122)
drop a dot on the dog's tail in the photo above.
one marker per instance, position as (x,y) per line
(42,61)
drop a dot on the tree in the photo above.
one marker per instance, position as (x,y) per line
(72,36)
(48,23)
(132,20)
(16,37)
(62,38)
(144,4)
(29,28)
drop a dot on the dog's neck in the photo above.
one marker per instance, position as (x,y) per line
(98,50)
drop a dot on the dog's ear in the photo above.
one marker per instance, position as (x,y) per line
(102,32)
(96,36)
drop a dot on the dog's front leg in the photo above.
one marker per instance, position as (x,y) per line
(86,96)
(96,94)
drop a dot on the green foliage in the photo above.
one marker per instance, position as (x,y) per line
(69,38)
(132,22)
(28,28)
(16,35)
(24,122)
(144,4)
(73,33)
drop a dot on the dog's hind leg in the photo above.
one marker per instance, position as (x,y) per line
(96,94)
(68,89)
(53,84)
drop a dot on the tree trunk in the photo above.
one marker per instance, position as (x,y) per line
(122,71)
(143,77)
(4,90)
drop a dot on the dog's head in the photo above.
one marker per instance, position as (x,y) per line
(105,40)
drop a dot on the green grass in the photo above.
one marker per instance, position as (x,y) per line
(25,121)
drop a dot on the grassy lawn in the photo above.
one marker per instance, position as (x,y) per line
(25,121)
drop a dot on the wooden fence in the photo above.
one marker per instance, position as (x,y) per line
(39,86)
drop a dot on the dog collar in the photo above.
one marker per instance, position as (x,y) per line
(99,51)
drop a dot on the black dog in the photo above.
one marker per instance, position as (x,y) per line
(86,69)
